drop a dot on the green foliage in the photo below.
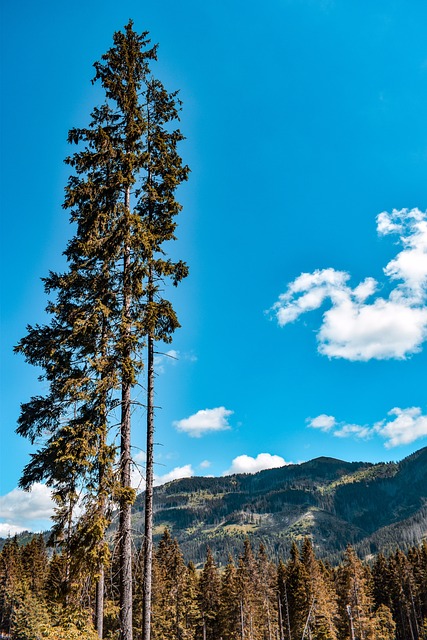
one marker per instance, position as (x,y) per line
(384,625)
(30,618)
(230,602)
(209,597)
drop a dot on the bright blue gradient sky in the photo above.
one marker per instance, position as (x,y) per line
(304,120)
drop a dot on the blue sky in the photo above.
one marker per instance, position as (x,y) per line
(305,120)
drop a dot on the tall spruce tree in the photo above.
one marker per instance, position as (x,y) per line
(209,598)
(321,600)
(355,599)
(230,604)
(109,307)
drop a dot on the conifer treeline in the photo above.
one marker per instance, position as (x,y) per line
(251,598)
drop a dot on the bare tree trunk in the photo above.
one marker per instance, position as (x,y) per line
(268,619)
(100,585)
(288,621)
(99,603)
(279,611)
(149,463)
(125,522)
(149,476)
(125,464)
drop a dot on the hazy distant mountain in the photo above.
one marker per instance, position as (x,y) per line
(371,506)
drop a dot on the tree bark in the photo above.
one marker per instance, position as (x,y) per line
(125,460)
(125,522)
(99,603)
(149,476)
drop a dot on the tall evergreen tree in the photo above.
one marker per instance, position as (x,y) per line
(108,307)
(250,594)
(284,622)
(169,606)
(12,583)
(209,598)
(355,599)
(405,603)
(268,591)
(230,605)
(297,602)
(321,599)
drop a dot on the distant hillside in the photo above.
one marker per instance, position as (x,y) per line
(371,506)
(374,507)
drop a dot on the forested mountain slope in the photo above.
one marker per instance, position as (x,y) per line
(371,506)
(374,507)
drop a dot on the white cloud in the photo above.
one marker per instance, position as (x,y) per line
(7,530)
(354,430)
(247,464)
(407,426)
(205,464)
(137,480)
(404,426)
(322,422)
(355,328)
(138,473)
(179,472)
(205,421)
(21,510)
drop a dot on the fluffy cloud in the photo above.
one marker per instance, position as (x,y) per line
(358,326)
(7,529)
(205,421)
(354,430)
(137,479)
(138,473)
(247,464)
(403,426)
(21,510)
(179,472)
(205,464)
(322,422)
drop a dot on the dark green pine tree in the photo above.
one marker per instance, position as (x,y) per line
(209,598)
(403,589)
(230,609)
(381,581)
(251,594)
(268,590)
(35,565)
(192,615)
(12,581)
(170,582)
(284,623)
(296,598)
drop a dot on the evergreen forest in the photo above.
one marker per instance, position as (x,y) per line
(248,598)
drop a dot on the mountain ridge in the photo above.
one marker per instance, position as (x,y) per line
(373,506)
